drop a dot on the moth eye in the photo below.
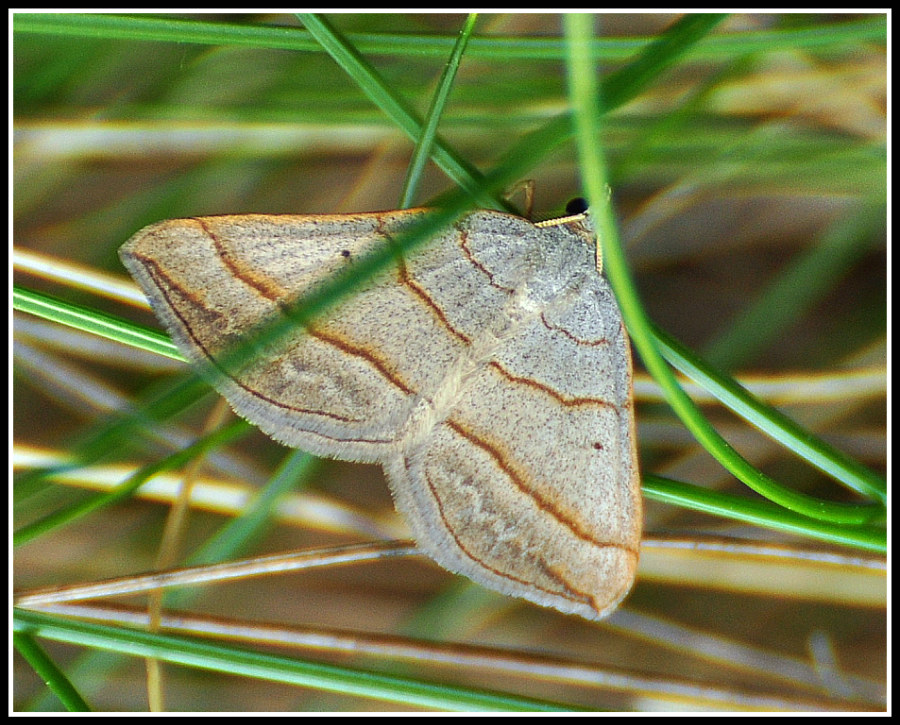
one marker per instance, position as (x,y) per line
(578,205)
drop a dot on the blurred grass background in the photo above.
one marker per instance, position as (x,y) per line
(750,183)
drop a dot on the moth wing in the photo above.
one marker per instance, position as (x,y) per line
(488,371)
(530,485)
(346,385)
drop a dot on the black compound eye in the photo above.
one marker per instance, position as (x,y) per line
(578,205)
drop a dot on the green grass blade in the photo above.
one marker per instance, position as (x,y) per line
(382,95)
(291,671)
(773,423)
(617,89)
(160,29)
(623,85)
(47,670)
(761,513)
(433,117)
(92,320)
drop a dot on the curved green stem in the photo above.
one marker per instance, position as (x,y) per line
(585,100)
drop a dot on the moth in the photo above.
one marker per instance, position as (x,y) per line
(488,371)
